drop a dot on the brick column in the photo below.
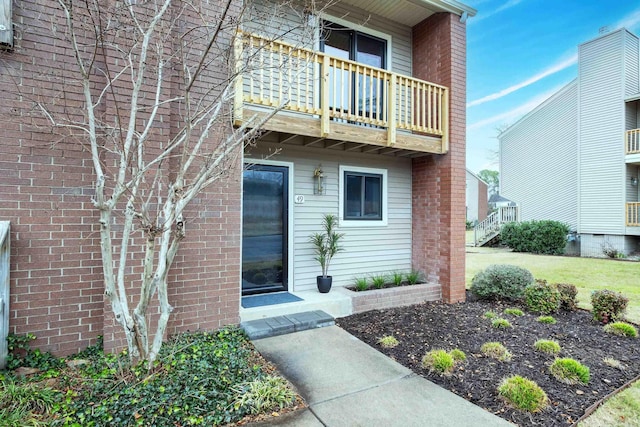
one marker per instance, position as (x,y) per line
(439,56)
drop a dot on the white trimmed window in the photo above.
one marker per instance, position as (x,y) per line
(363,197)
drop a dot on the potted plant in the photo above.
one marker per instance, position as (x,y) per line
(327,244)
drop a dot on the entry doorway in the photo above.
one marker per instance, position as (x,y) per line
(265,219)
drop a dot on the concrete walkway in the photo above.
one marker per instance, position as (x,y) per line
(347,383)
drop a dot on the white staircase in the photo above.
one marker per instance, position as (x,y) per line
(488,229)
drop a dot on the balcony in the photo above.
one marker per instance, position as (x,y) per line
(324,97)
(632,146)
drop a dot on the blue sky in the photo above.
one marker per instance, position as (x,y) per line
(520,52)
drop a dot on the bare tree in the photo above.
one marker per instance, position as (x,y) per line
(157,80)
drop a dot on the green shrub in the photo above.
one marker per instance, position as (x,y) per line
(388,341)
(378,281)
(263,394)
(621,328)
(514,312)
(569,371)
(24,403)
(542,297)
(438,361)
(361,284)
(547,346)
(523,393)
(501,281)
(568,294)
(397,278)
(501,323)
(549,320)
(489,315)
(608,305)
(458,355)
(538,237)
(414,277)
(496,350)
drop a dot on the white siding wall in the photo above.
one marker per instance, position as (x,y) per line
(472,197)
(370,250)
(538,160)
(268,19)
(601,120)
(631,65)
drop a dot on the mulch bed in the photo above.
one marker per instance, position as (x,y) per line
(424,327)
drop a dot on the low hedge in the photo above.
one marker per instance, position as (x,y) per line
(538,237)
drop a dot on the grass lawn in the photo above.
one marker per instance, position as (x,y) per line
(588,274)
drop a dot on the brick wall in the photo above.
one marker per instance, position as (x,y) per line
(439,55)
(483,201)
(46,185)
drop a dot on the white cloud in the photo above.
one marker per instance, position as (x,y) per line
(630,21)
(508,5)
(558,66)
(515,113)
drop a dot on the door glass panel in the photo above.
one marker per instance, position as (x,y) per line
(370,51)
(264,226)
(338,44)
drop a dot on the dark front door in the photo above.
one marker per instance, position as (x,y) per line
(264,228)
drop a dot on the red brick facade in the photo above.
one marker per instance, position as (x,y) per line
(439,55)
(46,184)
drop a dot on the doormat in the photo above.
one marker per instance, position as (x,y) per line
(269,299)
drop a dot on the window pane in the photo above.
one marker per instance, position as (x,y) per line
(353,196)
(362,196)
(373,197)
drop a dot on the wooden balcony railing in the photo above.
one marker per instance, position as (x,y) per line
(633,214)
(632,141)
(337,92)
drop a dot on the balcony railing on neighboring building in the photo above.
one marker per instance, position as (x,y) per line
(337,98)
(632,141)
(633,214)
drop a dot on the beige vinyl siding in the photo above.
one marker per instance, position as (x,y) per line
(400,34)
(266,18)
(601,118)
(283,21)
(538,160)
(368,251)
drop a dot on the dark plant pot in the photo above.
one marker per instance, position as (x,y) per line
(324,283)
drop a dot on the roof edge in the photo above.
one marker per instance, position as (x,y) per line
(539,106)
(452,6)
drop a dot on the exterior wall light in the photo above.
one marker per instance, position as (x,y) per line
(634,180)
(318,180)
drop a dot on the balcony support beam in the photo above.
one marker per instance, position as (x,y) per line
(305,125)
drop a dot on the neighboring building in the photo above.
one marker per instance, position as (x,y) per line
(477,198)
(392,159)
(575,158)
(497,201)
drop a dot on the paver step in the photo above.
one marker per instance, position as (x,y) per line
(280,325)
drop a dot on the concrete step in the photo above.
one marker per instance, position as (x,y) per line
(280,325)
